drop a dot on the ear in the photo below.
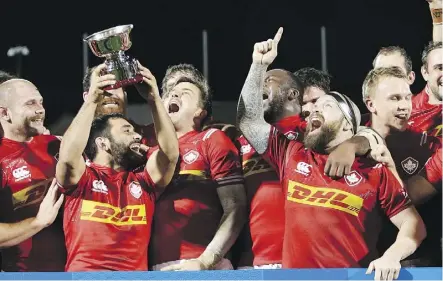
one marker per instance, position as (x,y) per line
(293,94)
(4,113)
(370,105)
(200,114)
(85,94)
(411,77)
(102,144)
(424,73)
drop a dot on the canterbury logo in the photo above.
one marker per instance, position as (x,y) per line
(324,197)
(254,166)
(106,213)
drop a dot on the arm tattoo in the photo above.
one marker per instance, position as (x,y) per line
(250,118)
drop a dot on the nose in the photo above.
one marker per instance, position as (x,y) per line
(137,137)
(40,110)
(405,104)
(307,108)
(175,94)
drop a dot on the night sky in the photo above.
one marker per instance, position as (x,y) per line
(169,32)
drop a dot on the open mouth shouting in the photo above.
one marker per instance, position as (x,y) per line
(174,106)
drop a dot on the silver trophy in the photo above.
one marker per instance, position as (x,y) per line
(112,44)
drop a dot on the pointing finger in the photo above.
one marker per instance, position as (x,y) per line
(277,36)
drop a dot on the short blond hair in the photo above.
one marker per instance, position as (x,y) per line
(375,75)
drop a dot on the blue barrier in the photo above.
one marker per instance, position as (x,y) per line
(429,273)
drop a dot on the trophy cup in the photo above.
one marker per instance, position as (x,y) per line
(111,44)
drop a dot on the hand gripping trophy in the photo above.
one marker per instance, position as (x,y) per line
(111,44)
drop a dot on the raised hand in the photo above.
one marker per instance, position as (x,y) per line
(265,52)
(149,89)
(99,82)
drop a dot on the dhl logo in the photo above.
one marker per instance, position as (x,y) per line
(193,175)
(106,213)
(255,165)
(33,194)
(324,197)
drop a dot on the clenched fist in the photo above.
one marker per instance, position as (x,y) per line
(265,52)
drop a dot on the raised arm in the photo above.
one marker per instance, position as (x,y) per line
(161,164)
(71,165)
(435,7)
(250,117)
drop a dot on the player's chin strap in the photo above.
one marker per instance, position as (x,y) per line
(345,105)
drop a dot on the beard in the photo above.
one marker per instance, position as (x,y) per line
(125,157)
(275,109)
(31,130)
(320,140)
(103,109)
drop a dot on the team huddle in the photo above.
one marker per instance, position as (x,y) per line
(303,180)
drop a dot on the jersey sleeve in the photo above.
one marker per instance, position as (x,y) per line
(432,170)
(279,146)
(223,158)
(392,196)
(77,189)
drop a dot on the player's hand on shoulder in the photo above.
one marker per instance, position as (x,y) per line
(265,52)
(98,82)
(381,153)
(49,207)
(340,161)
(385,268)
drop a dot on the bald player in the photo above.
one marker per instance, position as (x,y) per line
(32,241)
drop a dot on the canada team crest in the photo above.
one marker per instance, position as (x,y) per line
(410,165)
(190,157)
(135,189)
(353,178)
(291,135)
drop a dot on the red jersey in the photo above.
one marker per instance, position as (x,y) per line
(107,220)
(188,212)
(293,127)
(262,243)
(28,169)
(426,117)
(433,168)
(331,223)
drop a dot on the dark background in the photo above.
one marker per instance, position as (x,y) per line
(169,32)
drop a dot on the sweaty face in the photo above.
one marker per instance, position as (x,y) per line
(391,102)
(26,111)
(182,103)
(310,97)
(125,143)
(274,95)
(113,102)
(391,60)
(324,123)
(433,74)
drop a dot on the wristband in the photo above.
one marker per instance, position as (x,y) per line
(436,16)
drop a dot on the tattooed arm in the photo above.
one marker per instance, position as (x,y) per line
(250,118)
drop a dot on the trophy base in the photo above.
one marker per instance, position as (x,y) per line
(125,82)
